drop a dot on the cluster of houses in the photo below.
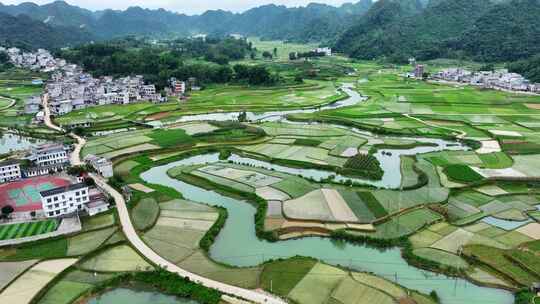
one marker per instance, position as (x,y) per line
(499,79)
(42,60)
(41,160)
(48,159)
(70,88)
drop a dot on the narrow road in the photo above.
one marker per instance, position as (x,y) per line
(136,241)
(47,112)
(461,134)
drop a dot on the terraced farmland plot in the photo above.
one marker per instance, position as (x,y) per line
(251,178)
(312,206)
(11,270)
(145,213)
(388,287)
(454,241)
(124,168)
(294,186)
(442,257)
(358,206)
(350,291)
(275,129)
(98,221)
(34,280)
(317,285)
(404,224)
(116,259)
(243,277)
(338,207)
(87,242)
(72,286)
(393,201)
(271,194)
(130,150)
(65,292)
(283,276)
(179,229)
(198,128)
(298,153)
(223,181)
(496,259)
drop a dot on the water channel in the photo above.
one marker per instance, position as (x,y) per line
(238,245)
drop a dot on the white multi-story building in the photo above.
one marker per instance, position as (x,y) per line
(326,51)
(65,200)
(10,170)
(102,165)
(50,154)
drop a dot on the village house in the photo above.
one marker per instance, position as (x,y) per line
(32,105)
(65,200)
(10,170)
(498,79)
(46,159)
(325,50)
(102,165)
(70,88)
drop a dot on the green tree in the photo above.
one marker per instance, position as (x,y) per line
(267,55)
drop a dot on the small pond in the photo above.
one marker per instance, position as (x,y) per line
(10,142)
(131,296)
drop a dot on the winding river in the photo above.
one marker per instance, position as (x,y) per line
(238,245)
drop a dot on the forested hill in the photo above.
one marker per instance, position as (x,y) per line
(24,32)
(483,30)
(315,22)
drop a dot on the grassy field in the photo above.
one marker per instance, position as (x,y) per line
(22,230)
(283,49)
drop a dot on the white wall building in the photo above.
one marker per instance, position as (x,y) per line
(326,51)
(10,170)
(102,165)
(51,154)
(65,200)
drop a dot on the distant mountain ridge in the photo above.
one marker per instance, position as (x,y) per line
(268,21)
(484,30)
(24,32)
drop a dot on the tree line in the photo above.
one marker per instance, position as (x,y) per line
(207,60)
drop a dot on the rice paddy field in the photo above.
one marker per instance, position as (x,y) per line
(471,211)
(16,85)
(308,281)
(220,98)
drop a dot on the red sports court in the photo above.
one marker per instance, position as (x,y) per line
(24,196)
